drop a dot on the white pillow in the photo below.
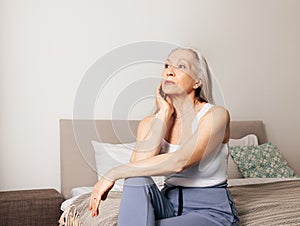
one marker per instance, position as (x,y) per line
(111,155)
(247,140)
(232,169)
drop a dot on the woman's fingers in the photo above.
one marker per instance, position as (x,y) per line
(160,98)
(158,90)
(90,203)
(96,203)
(169,101)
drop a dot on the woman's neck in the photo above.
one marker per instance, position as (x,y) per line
(183,106)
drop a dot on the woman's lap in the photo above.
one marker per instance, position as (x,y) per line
(201,206)
(204,206)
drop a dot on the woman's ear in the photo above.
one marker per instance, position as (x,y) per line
(196,85)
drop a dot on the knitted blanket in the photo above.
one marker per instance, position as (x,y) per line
(77,214)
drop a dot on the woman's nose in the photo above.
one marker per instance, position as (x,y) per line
(170,72)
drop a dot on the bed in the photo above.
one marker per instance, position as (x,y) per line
(259,201)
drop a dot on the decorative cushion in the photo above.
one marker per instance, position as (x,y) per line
(232,169)
(261,161)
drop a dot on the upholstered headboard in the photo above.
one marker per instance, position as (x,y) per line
(77,154)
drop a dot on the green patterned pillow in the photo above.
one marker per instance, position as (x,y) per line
(261,161)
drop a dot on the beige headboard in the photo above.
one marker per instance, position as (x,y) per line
(77,154)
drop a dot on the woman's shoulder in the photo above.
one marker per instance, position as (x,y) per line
(219,109)
(217,112)
(209,107)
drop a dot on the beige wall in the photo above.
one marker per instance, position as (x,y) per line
(47,46)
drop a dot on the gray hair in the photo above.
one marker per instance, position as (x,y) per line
(203,73)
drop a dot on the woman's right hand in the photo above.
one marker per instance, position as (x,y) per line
(164,103)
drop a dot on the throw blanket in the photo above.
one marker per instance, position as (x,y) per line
(273,204)
(78,214)
(269,204)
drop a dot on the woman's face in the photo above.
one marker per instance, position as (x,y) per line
(178,77)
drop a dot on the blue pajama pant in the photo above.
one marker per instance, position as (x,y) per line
(143,204)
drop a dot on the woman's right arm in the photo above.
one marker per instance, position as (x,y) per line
(152,129)
(150,133)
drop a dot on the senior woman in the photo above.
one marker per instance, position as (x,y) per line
(186,141)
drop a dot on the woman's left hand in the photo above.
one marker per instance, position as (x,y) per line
(164,103)
(100,192)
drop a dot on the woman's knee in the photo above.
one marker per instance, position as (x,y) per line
(138,181)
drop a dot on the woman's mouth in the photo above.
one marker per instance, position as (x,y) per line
(169,82)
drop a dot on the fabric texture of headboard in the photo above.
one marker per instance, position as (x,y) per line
(77,153)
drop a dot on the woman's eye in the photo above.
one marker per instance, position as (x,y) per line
(181,66)
(167,66)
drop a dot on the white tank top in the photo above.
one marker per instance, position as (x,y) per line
(212,170)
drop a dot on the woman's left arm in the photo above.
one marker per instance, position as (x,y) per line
(213,129)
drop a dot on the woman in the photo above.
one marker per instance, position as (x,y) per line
(186,140)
